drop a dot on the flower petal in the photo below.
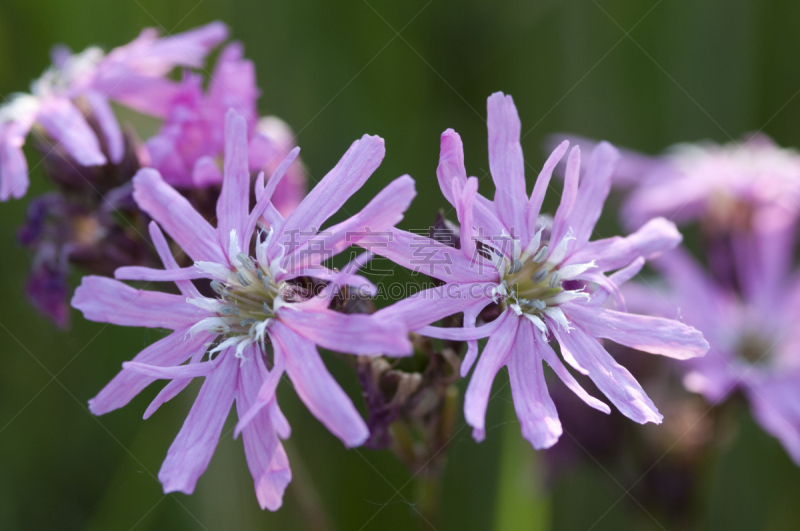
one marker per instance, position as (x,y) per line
(494,356)
(265,455)
(535,409)
(66,125)
(336,331)
(102,112)
(506,163)
(318,390)
(191,451)
(327,197)
(234,199)
(174,213)
(611,378)
(655,335)
(170,351)
(107,300)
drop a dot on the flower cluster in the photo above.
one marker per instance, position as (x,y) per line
(745,199)
(245,257)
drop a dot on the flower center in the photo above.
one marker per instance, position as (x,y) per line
(248,297)
(533,279)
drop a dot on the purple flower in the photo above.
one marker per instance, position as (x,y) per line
(132,75)
(753,332)
(547,279)
(263,321)
(753,184)
(191,140)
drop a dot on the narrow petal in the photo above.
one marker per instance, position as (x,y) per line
(352,171)
(494,356)
(165,254)
(107,300)
(451,164)
(337,331)
(775,408)
(318,390)
(611,378)
(173,350)
(102,112)
(191,451)
(192,370)
(174,213)
(655,335)
(506,163)
(561,221)
(13,166)
(432,304)
(656,236)
(380,215)
(535,409)
(540,188)
(594,188)
(233,204)
(266,458)
(565,376)
(464,210)
(66,125)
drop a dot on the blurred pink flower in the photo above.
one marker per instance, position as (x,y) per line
(133,75)
(547,279)
(259,301)
(187,149)
(753,332)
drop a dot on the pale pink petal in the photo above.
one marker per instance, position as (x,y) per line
(264,196)
(206,172)
(66,125)
(561,220)
(172,350)
(540,188)
(262,448)
(535,409)
(775,407)
(655,237)
(191,451)
(430,305)
(102,112)
(565,376)
(594,187)
(451,164)
(614,380)
(233,203)
(174,213)
(110,301)
(13,166)
(506,163)
(327,197)
(192,370)
(318,390)
(381,214)
(336,331)
(655,335)
(494,356)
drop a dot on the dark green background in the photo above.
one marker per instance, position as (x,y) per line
(688,70)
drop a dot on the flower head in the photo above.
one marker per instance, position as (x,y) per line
(82,84)
(753,333)
(547,278)
(262,322)
(191,140)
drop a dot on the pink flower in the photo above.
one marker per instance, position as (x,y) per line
(132,75)
(191,140)
(259,301)
(755,341)
(547,278)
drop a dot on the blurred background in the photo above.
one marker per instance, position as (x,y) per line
(643,75)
